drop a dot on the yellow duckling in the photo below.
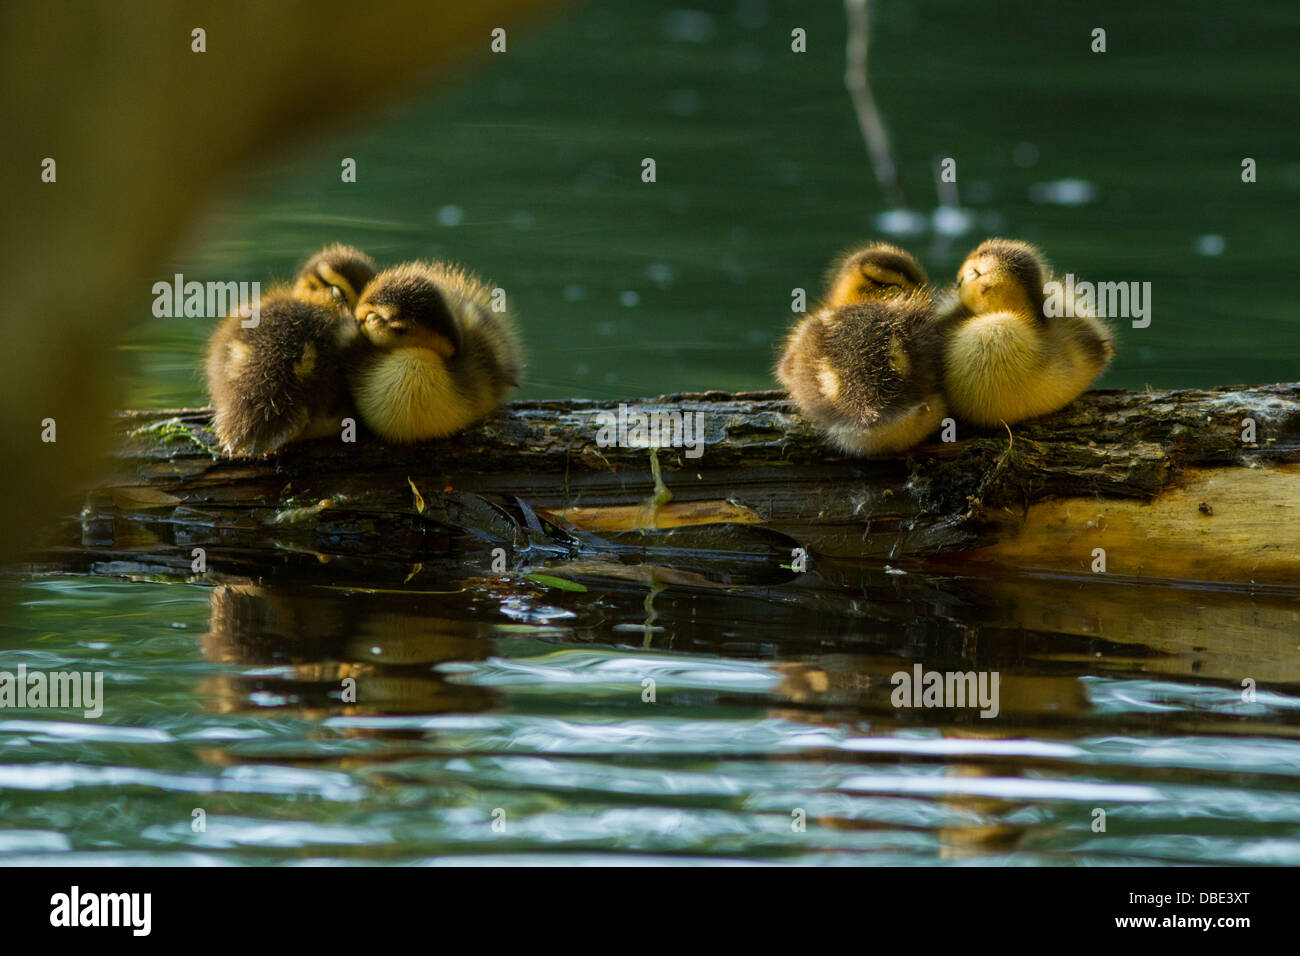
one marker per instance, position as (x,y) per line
(867,368)
(434,356)
(285,378)
(1006,359)
(336,270)
(871,271)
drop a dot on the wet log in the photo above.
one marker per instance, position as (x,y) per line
(1188,485)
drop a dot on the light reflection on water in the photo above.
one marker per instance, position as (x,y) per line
(228,699)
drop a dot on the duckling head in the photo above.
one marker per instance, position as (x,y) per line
(337,272)
(405,308)
(1003,275)
(872,272)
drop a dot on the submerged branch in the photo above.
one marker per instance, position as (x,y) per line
(874,134)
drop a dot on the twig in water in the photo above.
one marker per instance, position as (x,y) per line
(869,120)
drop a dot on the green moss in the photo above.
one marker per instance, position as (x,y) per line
(662,495)
(172,430)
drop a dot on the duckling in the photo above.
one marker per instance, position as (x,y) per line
(870,271)
(867,368)
(1007,360)
(285,379)
(433,355)
(336,270)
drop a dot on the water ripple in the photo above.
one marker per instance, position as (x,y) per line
(251,779)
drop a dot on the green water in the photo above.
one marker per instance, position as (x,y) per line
(762,178)
(772,700)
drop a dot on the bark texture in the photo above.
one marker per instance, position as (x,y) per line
(1115,470)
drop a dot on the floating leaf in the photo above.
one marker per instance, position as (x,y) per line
(551,581)
(673,515)
(292,516)
(419,499)
(358,589)
(142,498)
(654,575)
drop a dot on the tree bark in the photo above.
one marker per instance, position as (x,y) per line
(1131,485)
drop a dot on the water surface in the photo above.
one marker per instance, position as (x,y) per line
(525,705)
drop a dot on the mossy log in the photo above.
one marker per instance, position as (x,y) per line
(1138,485)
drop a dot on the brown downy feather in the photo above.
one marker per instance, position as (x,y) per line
(281,380)
(285,379)
(867,368)
(869,374)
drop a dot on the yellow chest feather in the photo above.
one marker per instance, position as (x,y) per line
(408,395)
(1002,368)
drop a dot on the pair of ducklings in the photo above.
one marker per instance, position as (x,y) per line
(417,351)
(888,356)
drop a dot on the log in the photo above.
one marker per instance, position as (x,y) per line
(1132,486)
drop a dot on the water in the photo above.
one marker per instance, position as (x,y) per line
(529,171)
(522,703)
(526,704)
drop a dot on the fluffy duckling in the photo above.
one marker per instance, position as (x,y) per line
(337,271)
(867,369)
(433,356)
(869,272)
(1006,359)
(285,379)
